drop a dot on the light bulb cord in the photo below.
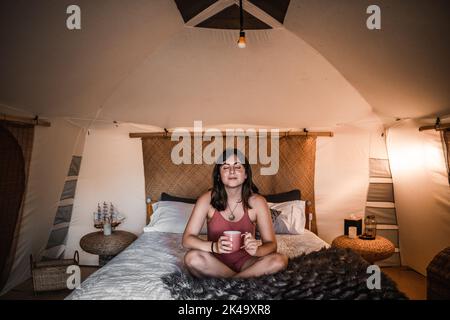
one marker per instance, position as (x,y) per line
(241,16)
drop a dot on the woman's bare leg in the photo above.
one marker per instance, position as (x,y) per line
(203,264)
(258,266)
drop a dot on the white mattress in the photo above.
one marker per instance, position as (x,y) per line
(136,272)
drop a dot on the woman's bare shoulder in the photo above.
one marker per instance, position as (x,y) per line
(205,198)
(257,200)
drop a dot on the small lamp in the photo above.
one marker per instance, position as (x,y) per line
(241,41)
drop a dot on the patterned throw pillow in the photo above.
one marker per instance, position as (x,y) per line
(274,215)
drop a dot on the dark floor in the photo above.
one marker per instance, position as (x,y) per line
(408,281)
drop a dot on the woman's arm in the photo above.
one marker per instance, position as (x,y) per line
(195,224)
(264,222)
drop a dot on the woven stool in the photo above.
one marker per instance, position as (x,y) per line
(377,249)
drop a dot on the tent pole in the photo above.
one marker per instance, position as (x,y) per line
(281,134)
(439,127)
(34,121)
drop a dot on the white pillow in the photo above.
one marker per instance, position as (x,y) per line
(171,216)
(292,217)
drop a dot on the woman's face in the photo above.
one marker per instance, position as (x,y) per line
(232,172)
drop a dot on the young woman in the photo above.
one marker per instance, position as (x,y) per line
(232,204)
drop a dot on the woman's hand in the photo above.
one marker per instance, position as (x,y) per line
(223,245)
(250,244)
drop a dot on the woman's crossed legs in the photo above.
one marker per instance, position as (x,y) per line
(204,264)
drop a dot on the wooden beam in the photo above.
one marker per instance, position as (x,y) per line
(209,12)
(443,126)
(282,134)
(34,121)
(260,14)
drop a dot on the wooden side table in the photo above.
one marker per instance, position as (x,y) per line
(371,250)
(106,246)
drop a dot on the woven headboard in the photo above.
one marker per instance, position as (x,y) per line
(296,171)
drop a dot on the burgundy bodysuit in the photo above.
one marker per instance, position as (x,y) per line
(217,225)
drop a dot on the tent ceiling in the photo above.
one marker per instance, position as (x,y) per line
(51,71)
(276,9)
(138,61)
(200,74)
(402,70)
(190,9)
(224,14)
(228,18)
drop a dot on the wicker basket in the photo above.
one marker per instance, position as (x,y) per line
(438,276)
(51,275)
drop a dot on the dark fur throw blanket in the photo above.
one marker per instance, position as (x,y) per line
(326,274)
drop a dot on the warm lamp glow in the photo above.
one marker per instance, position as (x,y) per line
(418,154)
(241,42)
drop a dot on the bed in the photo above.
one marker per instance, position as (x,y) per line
(152,267)
(136,272)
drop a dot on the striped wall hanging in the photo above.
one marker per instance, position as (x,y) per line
(56,244)
(381,204)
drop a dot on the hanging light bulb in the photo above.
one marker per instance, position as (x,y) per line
(241,41)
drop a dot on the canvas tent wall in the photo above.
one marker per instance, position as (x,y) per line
(422,191)
(53,148)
